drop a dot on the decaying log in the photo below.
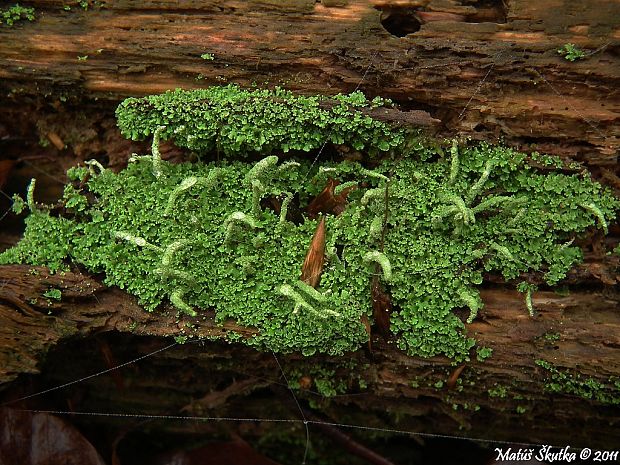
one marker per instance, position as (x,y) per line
(481,70)
(486,70)
(202,378)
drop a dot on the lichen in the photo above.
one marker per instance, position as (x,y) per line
(571,382)
(219,247)
(15,13)
(238,122)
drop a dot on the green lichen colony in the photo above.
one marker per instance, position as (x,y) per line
(237,122)
(206,235)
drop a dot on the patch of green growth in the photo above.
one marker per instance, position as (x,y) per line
(15,13)
(55,294)
(237,122)
(498,391)
(328,382)
(570,52)
(83,4)
(180,339)
(527,289)
(521,409)
(482,353)
(565,381)
(551,337)
(199,235)
(438,384)
(461,405)
(82,58)
(207,56)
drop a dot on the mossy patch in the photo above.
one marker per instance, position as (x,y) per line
(238,122)
(16,13)
(565,381)
(203,235)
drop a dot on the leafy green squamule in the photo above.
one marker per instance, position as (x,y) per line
(449,221)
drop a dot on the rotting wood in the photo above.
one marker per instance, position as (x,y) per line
(415,388)
(485,72)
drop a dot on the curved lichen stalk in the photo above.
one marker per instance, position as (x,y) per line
(260,169)
(176,298)
(192,181)
(471,301)
(312,292)
(259,175)
(376,228)
(288,197)
(32,206)
(92,164)
(288,291)
(377,193)
(345,185)
(478,185)
(237,220)
(381,259)
(137,240)
(454,162)
(495,201)
(600,217)
(527,289)
(166,268)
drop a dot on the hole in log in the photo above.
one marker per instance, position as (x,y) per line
(400,21)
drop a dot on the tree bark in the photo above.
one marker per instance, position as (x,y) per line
(483,72)
(428,395)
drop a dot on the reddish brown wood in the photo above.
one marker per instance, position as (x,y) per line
(488,72)
(485,72)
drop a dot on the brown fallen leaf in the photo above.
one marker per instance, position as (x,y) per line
(315,258)
(55,140)
(451,383)
(42,439)
(327,201)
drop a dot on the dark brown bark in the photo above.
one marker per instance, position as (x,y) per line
(194,379)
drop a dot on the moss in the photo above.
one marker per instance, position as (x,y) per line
(55,294)
(15,13)
(327,381)
(498,391)
(482,353)
(570,52)
(237,122)
(198,235)
(571,382)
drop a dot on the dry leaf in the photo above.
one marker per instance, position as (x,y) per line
(42,439)
(454,376)
(327,202)
(315,258)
